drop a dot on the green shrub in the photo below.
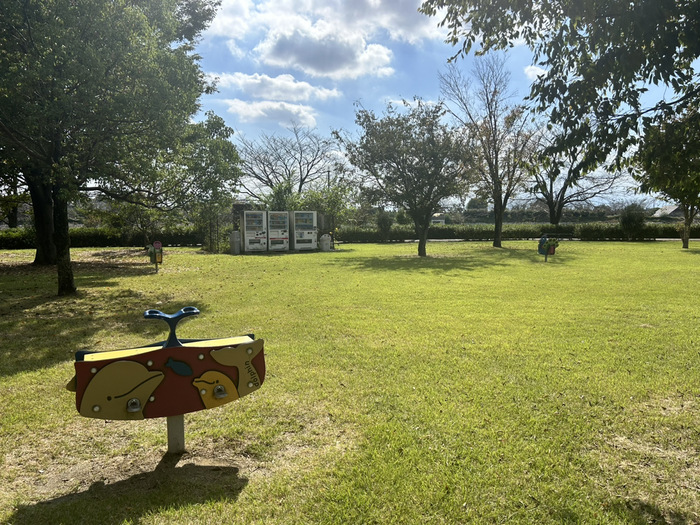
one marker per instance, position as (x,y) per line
(632,219)
(17,239)
(599,231)
(384,222)
(476,232)
(95,238)
(24,238)
(182,236)
(356,234)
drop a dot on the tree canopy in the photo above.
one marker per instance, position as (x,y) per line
(90,89)
(555,181)
(199,166)
(414,159)
(498,136)
(281,167)
(599,58)
(668,162)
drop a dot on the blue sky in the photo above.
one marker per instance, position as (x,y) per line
(309,61)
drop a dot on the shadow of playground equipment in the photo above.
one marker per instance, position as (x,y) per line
(167,487)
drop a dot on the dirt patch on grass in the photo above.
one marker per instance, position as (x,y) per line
(118,456)
(652,470)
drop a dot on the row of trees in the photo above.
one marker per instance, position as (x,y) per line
(476,141)
(598,59)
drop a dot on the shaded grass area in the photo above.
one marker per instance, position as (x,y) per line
(475,385)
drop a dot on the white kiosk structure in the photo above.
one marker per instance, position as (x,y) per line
(278,231)
(254,231)
(305,230)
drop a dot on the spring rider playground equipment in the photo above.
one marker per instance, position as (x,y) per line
(547,246)
(167,379)
(155,253)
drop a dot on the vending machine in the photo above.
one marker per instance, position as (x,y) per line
(278,231)
(254,231)
(305,230)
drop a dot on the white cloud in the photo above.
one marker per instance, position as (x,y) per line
(325,38)
(323,51)
(532,72)
(282,87)
(337,40)
(399,18)
(234,49)
(280,112)
(233,19)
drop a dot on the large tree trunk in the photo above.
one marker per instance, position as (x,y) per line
(12,194)
(685,233)
(422,243)
(66,283)
(497,224)
(13,213)
(421,225)
(13,217)
(556,209)
(689,213)
(43,208)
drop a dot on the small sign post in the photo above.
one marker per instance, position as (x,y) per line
(156,254)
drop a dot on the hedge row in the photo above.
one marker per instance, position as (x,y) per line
(484,232)
(535,216)
(613,232)
(22,238)
(596,231)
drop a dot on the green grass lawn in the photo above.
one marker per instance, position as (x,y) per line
(477,385)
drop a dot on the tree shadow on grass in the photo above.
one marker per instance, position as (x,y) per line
(40,329)
(167,487)
(467,260)
(638,512)
(25,286)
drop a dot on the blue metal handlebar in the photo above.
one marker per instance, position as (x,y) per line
(172,320)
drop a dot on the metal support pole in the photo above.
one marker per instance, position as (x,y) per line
(176,434)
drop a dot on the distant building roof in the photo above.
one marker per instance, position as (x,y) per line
(672,210)
(438,218)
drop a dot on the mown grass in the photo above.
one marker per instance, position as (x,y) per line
(477,385)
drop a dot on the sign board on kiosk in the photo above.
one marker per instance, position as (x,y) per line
(254,231)
(278,231)
(305,230)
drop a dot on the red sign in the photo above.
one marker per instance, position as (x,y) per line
(157,245)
